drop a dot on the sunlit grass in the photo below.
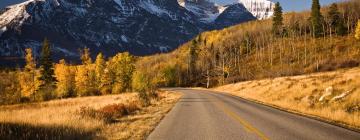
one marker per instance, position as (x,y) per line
(302,93)
(63,118)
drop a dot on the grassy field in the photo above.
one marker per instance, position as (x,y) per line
(103,117)
(332,96)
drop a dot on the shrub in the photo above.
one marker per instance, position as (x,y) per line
(145,101)
(110,112)
(45,93)
(132,107)
(142,84)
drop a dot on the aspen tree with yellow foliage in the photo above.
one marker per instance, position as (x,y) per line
(100,65)
(66,80)
(85,75)
(357,31)
(122,66)
(27,78)
(106,81)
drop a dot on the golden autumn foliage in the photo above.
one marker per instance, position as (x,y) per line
(99,78)
(28,78)
(121,66)
(66,80)
(106,82)
(85,56)
(85,77)
(85,80)
(100,65)
(357,32)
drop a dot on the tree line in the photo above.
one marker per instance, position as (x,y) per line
(47,80)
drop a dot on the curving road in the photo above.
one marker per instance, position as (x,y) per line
(207,115)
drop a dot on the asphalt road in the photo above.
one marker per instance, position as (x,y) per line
(207,115)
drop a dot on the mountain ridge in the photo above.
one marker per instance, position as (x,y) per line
(141,27)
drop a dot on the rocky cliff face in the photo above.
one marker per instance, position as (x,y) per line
(232,15)
(141,27)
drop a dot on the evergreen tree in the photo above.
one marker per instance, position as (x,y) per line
(316,19)
(336,22)
(46,66)
(47,74)
(357,31)
(277,19)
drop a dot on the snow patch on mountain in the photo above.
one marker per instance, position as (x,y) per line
(65,51)
(261,9)
(154,9)
(15,12)
(182,3)
(224,2)
(124,38)
(206,11)
(212,16)
(2,30)
(120,3)
(56,3)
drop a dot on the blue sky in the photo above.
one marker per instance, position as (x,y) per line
(300,5)
(288,5)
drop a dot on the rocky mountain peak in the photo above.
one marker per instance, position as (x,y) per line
(141,27)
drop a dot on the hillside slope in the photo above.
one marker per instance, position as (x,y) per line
(334,96)
(250,51)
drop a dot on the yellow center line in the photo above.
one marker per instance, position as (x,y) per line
(248,127)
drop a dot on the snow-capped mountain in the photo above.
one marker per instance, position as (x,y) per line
(261,9)
(206,11)
(232,15)
(110,26)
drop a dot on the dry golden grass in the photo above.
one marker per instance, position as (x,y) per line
(63,118)
(301,94)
